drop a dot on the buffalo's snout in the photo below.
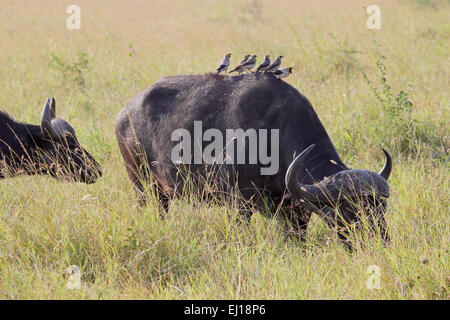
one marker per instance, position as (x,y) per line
(91,176)
(90,170)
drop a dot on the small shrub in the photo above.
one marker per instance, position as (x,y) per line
(72,72)
(398,128)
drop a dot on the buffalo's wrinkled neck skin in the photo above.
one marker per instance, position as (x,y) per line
(18,143)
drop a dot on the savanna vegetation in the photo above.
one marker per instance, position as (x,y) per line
(371,89)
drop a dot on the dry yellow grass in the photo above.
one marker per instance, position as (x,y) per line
(124,252)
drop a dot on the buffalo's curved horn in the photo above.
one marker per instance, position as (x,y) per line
(386,171)
(298,190)
(48,114)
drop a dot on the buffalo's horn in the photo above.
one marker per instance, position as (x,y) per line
(48,114)
(386,171)
(53,108)
(298,190)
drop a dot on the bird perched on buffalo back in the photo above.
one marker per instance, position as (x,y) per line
(245,66)
(283,73)
(250,63)
(264,64)
(275,65)
(245,59)
(224,64)
(239,68)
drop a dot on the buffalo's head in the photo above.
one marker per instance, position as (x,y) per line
(58,151)
(344,198)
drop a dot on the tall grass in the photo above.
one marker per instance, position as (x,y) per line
(198,250)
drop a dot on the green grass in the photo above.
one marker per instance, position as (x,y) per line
(198,251)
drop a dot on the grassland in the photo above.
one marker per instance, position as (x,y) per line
(198,251)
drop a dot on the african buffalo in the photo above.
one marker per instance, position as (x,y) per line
(51,148)
(316,180)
